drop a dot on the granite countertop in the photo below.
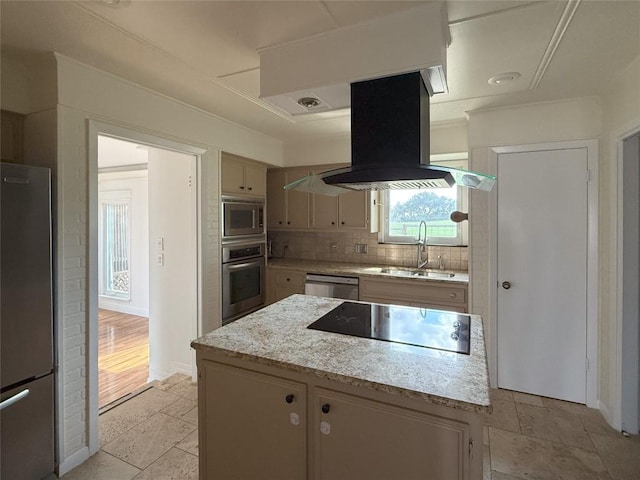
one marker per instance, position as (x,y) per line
(358,269)
(277,335)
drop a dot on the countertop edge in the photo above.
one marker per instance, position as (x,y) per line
(349,380)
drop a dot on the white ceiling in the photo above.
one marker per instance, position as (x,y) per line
(205,53)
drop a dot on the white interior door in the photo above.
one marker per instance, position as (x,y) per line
(542,272)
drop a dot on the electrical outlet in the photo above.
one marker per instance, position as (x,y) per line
(160,259)
(360,248)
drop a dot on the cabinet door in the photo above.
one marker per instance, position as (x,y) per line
(360,438)
(352,210)
(324,211)
(288,282)
(297,202)
(276,199)
(254,425)
(254,180)
(232,178)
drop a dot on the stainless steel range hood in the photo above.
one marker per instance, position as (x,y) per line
(390,143)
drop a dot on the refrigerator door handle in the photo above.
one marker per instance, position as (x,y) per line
(16,398)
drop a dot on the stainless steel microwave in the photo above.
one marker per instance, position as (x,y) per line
(242,218)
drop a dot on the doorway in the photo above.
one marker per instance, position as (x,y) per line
(545,325)
(123,269)
(629,264)
(173,264)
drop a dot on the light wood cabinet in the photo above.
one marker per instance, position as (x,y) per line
(252,425)
(414,293)
(286,209)
(396,442)
(241,176)
(283,283)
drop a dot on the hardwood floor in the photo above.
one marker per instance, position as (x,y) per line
(123,354)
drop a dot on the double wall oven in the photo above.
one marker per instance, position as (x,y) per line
(243,256)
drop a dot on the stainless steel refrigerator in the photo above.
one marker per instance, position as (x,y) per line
(26,317)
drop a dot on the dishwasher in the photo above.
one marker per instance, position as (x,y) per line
(332,286)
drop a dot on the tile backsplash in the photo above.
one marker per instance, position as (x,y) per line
(342,246)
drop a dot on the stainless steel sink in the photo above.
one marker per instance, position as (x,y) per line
(414,272)
(422,273)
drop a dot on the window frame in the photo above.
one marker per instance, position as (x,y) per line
(455,160)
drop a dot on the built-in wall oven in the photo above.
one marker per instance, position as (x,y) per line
(242,218)
(243,274)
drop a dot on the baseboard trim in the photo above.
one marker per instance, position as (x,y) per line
(118,307)
(73,461)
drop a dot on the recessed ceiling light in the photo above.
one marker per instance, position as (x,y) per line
(309,102)
(504,78)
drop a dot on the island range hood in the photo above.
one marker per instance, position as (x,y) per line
(390,143)
(389,137)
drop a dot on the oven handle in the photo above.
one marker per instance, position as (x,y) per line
(253,218)
(238,266)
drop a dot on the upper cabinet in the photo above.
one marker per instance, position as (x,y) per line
(286,208)
(241,176)
(300,210)
(346,211)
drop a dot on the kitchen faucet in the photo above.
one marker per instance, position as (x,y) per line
(422,245)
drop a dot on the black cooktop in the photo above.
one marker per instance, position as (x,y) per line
(449,331)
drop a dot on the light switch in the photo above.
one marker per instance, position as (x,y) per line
(160,259)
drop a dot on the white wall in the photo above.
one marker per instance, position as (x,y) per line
(173,269)
(134,182)
(85,94)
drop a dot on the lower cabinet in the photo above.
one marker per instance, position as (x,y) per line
(283,283)
(260,426)
(253,425)
(440,296)
(356,438)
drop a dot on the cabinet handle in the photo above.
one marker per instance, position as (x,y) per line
(288,223)
(280,222)
(452,295)
(288,279)
(289,398)
(241,187)
(249,188)
(325,408)
(333,223)
(341,223)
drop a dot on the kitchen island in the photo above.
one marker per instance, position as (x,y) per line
(279,400)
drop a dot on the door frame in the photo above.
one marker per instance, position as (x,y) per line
(617,416)
(592,258)
(96,128)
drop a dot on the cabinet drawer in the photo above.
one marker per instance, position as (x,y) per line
(288,277)
(414,292)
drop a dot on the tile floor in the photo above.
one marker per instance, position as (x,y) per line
(154,436)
